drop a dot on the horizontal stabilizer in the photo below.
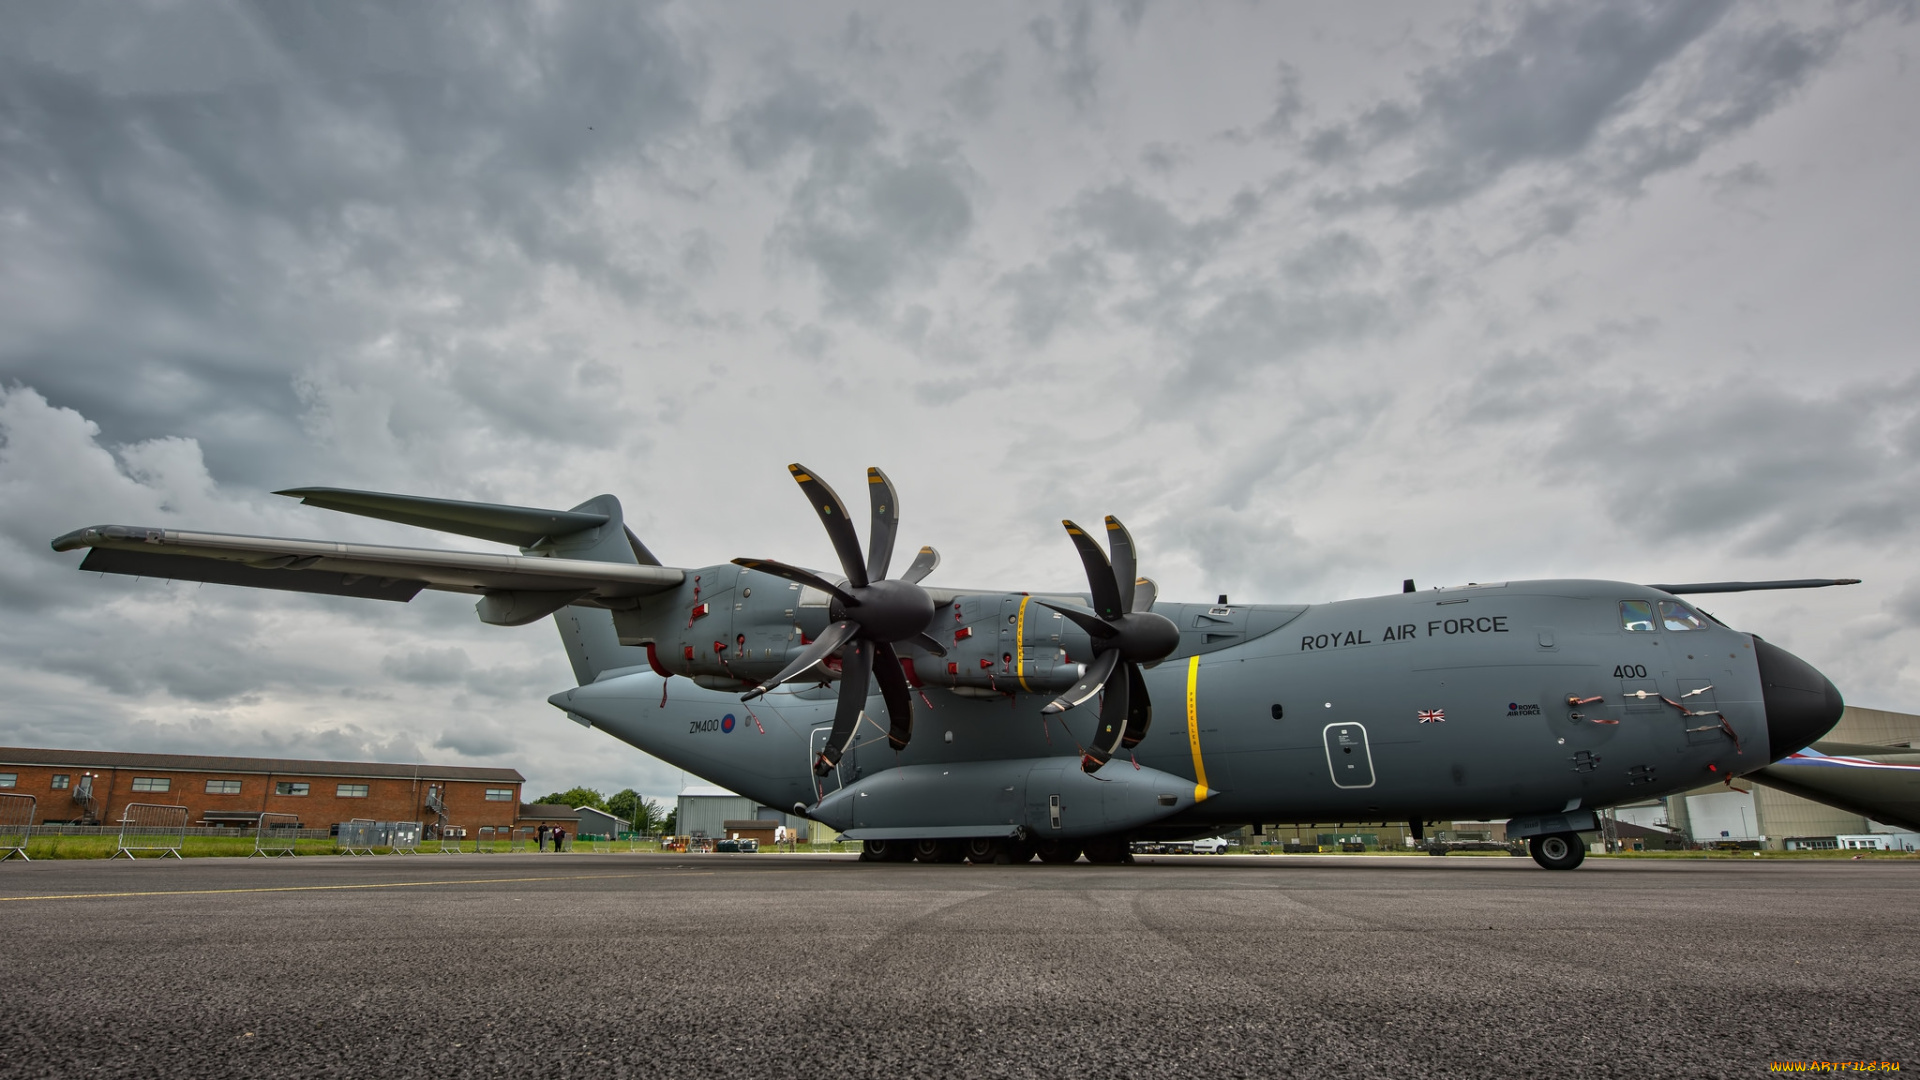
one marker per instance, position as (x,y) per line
(521,526)
(1754,586)
(188,568)
(367,570)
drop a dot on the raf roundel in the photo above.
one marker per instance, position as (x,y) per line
(726,723)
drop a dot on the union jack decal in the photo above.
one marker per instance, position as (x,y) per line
(1433,716)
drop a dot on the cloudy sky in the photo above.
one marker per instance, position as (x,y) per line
(1315,298)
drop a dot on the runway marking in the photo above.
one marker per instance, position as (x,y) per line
(329,888)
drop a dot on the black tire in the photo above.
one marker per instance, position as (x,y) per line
(981,850)
(936,851)
(1058,852)
(1557,851)
(885,851)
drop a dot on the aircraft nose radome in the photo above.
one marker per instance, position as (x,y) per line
(1801,703)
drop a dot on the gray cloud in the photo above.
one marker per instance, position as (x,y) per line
(1772,469)
(864,217)
(1607,96)
(1067,44)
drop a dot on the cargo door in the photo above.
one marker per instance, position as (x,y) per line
(1349,758)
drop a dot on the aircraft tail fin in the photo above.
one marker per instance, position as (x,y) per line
(593,644)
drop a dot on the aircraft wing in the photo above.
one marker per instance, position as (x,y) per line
(1884,787)
(370,571)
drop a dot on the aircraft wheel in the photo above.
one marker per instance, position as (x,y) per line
(885,851)
(1109,850)
(936,851)
(981,850)
(1557,851)
(1057,851)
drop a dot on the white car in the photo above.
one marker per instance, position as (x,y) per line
(1213,845)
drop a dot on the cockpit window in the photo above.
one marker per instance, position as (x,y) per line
(1676,616)
(1636,614)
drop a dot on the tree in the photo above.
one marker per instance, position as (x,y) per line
(670,825)
(623,805)
(577,797)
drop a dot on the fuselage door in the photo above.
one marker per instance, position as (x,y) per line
(824,786)
(1348,756)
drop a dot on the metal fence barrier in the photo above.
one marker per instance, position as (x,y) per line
(449,845)
(405,837)
(151,827)
(524,839)
(16,824)
(359,836)
(275,835)
(495,839)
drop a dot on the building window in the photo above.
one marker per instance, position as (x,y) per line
(499,794)
(61,780)
(287,787)
(8,779)
(223,787)
(152,783)
(351,791)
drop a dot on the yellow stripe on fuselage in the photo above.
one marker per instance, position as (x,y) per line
(1193,730)
(1020,646)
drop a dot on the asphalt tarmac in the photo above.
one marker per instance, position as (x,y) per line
(768,965)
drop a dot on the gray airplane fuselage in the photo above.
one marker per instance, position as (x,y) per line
(1485,701)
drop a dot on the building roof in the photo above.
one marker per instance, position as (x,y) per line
(541,811)
(114,759)
(615,818)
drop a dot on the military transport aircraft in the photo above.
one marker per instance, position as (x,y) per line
(1538,701)
(1881,783)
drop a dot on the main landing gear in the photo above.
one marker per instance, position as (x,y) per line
(982,850)
(1557,851)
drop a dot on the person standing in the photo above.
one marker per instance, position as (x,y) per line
(559,838)
(543,838)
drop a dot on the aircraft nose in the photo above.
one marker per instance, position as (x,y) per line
(1801,703)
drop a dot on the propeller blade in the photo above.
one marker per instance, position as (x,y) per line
(856,669)
(896,693)
(833,514)
(1097,675)
(923,564)
(886,522)
(1145,592)
(805,577)
(1113,725)
(823,646)
(1139,708)
(1086,620)
(1120,542)
(1106,597)
(928,644)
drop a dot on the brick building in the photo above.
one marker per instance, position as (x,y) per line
(95,786)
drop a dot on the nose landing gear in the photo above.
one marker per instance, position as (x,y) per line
(1557,851)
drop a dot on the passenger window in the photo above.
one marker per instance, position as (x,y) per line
(1636,614)
(1675,616)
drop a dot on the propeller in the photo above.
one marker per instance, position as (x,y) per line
(1123,639)
(870,612)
